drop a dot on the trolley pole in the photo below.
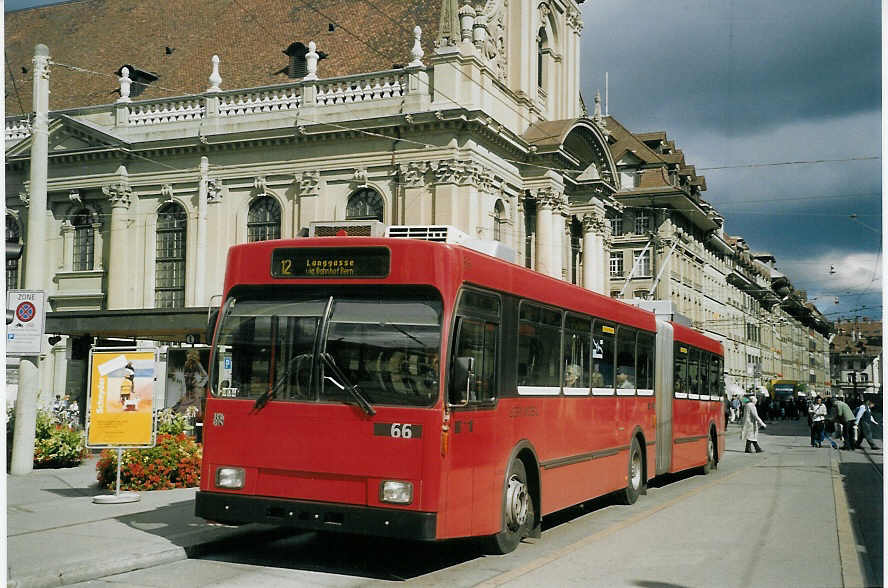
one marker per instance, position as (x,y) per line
(35,255)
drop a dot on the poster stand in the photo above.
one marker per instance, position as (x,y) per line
(118,497)
(127,423)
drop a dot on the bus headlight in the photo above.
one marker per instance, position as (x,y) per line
(396,492)
(230,478)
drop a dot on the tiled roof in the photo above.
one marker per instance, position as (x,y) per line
(248,35)
(626,141)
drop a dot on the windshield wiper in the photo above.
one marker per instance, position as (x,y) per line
(269,394)
(343,383)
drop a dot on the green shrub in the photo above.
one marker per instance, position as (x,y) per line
(170,422)
(57,445)
(174,462)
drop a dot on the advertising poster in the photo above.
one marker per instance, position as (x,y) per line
(121,388)
(186,378)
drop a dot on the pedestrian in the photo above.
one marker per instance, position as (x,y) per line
(735,409)
(727,409)
(750,428)
(845,418)
(864,419)
(817,414)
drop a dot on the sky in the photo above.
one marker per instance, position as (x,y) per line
(738,82)
(741,83)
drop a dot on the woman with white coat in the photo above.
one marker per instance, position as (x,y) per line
(751,424)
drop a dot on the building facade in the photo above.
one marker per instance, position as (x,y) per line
(479,127)
(668,244)
(856,359)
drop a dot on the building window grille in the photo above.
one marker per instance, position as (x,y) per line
(616,226)
(264,220)
(499,218)
(644,265)
(84,240)
(616,264)
(365,204)
(169,283)
(541,48)
(642,222)
(13,236)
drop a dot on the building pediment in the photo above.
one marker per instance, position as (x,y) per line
(67,135)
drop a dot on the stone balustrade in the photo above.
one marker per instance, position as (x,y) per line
(155,113)
(245,102)
(364,88)
(242,102)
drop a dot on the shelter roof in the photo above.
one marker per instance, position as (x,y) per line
(176,39)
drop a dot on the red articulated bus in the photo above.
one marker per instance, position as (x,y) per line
(406,388)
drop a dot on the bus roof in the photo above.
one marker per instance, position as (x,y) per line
(446,266)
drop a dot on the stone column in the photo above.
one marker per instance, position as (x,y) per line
(546,201)
(67,246)
(98,247)
(200,266)
(417,204)
(120,196)
(594,268)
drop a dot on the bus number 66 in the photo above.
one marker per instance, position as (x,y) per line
(399,430)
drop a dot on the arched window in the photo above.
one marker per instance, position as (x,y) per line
(499,218)
(365,204)
(542,42)
(84,240)
(13,235)
(169,268)
(264,219)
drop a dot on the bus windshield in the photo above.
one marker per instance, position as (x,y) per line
(386,346)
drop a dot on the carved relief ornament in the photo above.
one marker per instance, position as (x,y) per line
(119,194)
(309,182)
(412,174)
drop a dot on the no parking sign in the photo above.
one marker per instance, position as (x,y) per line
(24,335)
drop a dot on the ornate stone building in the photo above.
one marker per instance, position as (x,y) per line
(668,244)
(166,147)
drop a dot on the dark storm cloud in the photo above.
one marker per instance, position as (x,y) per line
(733,66)
(754,81)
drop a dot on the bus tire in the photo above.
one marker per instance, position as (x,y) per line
(710,455)
(518,511)
(634,476)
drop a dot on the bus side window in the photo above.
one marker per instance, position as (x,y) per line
(680,377)
(477,340)
(716,380)
(626,374)
(693,371)
(603,355)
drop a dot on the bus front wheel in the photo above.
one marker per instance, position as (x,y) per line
(635,474)
(518,511)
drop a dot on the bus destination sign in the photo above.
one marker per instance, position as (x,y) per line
(330,262)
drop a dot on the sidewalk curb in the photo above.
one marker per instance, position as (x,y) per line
(84,570)
(852,564)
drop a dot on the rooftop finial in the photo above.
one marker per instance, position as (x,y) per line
(311,62)
(125,82)
(416,52)
(215,78)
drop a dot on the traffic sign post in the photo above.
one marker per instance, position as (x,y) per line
(24,335)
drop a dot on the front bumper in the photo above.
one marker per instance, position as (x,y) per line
(317,516)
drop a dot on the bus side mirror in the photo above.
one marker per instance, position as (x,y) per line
(212,317)
(461,380)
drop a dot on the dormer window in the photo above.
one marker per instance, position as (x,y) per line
(141,79)
(298,66)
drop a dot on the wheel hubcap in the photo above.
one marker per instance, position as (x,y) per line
(710,448)
(636,470)
(516,503)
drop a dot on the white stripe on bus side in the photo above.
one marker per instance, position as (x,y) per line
(539,390)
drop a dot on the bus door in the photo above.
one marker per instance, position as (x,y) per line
(664,395)
(471,484)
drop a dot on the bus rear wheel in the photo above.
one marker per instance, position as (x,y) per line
(710,455)
(635,475)
(518,511)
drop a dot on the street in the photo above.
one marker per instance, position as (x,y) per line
(792,516)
